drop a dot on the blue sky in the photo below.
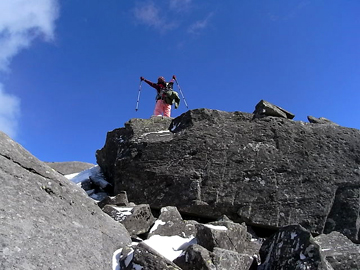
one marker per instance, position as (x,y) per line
(69,70)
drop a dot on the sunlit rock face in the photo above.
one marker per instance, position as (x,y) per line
(48,222)
(269,171)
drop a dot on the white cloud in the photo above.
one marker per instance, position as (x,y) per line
(9,113)
(179,5)
(21,21)
(149,14)
(200,25)
(165,15)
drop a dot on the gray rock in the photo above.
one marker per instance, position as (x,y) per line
(70,167)
(118,200)
(225,235)
(268,172)
(137,220)
(48,222)
(292,247)
(265,108)
(321,120)
(149,259)
(171,223)
(135,130)
(195,257)
(339,251)
(227,259)
(344,216)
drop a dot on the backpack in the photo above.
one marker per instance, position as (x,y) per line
(169,95)
(164,91)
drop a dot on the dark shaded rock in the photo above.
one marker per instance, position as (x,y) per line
(149,259)
(118,200)
(222,234)
(137,220)
(195,257)
(227,259)
(171,223)
(339,251)
(69,167)
(269,172)
(136,130)
(321,120)
(48,222)
(264,108)
(87,185)
(292,248)
(344,216)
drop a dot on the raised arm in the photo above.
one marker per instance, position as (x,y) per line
(149,83)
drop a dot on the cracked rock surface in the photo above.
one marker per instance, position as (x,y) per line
(268,172)
(47,222)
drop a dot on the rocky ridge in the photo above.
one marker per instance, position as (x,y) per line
(264,170)
(254,156)
(269,172)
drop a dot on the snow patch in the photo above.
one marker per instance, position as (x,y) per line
(122,212)
(170,247)
(220,228)
(116,259)
(84,175)
(71,176)
(156,225)
(175,126)
(155,132)
(137,267)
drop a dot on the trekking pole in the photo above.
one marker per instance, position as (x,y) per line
(180,91)
(138,98)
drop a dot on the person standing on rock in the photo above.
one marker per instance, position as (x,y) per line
(162,106)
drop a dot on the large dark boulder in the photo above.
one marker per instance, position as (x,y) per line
(48,222)
(291,248)
(269,172)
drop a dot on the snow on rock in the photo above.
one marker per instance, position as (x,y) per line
(170,247)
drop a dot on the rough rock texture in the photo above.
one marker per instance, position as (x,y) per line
(225,235)
(265,108)
(137,219)
(339,251)
(268,172)
(321,120)
(171,223)
(291,248)
(198,257)
(69,167)
(154,129)
(149,259)
(195,257)
(227,259)
(118,200)
(345,212)
(47,222)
